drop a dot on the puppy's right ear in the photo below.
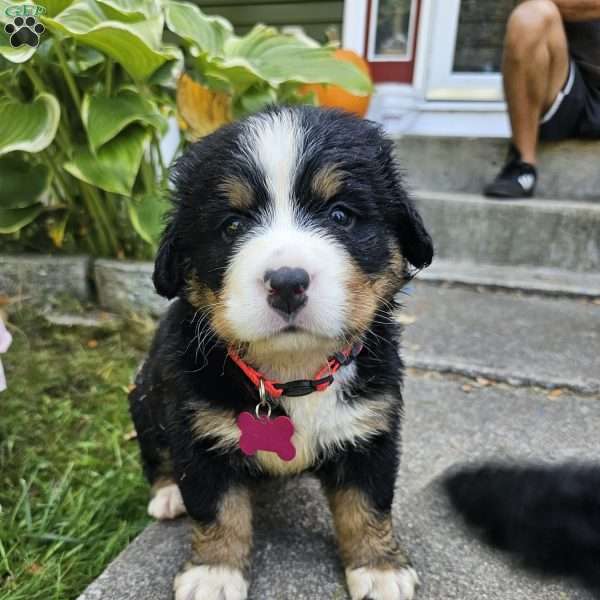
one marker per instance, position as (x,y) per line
(168,276)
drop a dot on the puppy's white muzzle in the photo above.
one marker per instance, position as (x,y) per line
(286,276)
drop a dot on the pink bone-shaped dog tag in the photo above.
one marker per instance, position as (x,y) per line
(270,435)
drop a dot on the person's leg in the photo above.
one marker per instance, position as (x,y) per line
(535,68)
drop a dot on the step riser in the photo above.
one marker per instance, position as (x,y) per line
(533,280)
(566,170)
(522,340)
(524,233)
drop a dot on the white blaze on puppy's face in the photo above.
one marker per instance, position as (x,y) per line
(274,144)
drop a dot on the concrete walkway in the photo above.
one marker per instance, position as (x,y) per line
(449,420)
(295,555)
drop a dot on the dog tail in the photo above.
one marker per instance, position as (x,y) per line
(546,516)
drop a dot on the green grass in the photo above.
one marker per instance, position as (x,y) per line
(71,490)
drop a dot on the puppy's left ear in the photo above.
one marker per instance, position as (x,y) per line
(168,276)
(415,241)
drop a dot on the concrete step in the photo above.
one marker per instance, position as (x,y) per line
(295,557)
(521,339)
(538,233)
(551,282)
(566,169)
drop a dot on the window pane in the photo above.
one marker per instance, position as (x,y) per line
(480,35)
(392,29)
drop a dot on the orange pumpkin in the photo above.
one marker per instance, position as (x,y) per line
(334,96)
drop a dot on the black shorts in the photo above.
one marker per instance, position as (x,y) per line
(576,111)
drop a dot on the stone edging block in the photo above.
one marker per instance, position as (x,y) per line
(39,279)
(126,287)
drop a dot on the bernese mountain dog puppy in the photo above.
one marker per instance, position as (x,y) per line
(290,236)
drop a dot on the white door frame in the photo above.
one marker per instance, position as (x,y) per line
(471,110)
(354,25)
(440,82)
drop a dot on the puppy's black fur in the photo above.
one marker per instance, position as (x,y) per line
(177,379)
(547,516)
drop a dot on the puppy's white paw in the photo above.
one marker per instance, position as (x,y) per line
(167,503)
(211,583)
(382,584)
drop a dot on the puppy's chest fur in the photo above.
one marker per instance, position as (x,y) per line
(323,423)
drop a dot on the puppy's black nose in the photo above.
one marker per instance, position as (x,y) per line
(287,289)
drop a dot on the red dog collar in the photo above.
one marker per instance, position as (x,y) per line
(301,387)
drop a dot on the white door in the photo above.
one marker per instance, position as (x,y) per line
(465,49)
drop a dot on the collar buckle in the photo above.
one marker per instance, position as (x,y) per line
(303,387)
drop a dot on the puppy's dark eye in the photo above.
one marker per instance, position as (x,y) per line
(233,228)
(342,216)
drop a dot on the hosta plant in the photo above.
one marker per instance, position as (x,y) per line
(82,114)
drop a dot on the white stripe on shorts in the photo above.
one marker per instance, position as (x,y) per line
(561,95)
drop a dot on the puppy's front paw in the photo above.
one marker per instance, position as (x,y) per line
(167,503)
(382,584)
(211,583)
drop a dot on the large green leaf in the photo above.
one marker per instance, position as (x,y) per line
(12,220)
(279,58)
(147,215)
(115,166)
(106,116)
(135,45)
(266,56)
(190,23)
(28,127)
(262,55)
(23,184)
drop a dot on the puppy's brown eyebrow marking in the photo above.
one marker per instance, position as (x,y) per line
(328,181)
(239,192)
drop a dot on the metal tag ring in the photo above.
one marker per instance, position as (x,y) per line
(264,401)
(262,393)
(258,407)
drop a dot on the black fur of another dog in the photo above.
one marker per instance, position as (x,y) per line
(546,516)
